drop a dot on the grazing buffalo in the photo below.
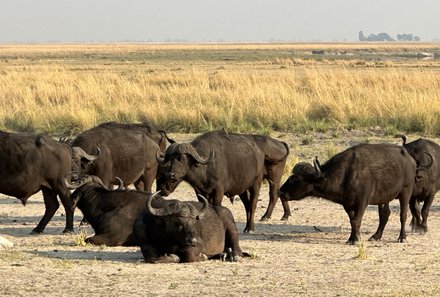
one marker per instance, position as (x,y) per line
(177,231)
(216,164)
(125,150)
(366,174)
(425,189)
(30,163)
(275,157)
(110,213)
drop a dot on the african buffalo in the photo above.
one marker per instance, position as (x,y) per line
(110,213)
(275,157)
(125,150)
(30,163)
(366,174)
(216,164)
(425,189)
(177,231)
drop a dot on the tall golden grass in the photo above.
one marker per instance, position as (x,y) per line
(57,97)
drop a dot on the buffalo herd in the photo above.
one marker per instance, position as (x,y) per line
(215,164)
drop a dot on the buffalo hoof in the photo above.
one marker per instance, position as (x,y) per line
(372,238)
(247,231)
(236,259)
(264,219)
(68,231)
(350,242)
(402,240)
(285,218)
(419,229)
(36,232)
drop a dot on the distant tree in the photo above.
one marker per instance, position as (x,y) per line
(362,36)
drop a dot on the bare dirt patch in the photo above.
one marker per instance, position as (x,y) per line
(306,255)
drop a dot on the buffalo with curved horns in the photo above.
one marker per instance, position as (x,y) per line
(177,231)
(111,213)
(30,163)
(216,164)
(359,176)
(127,151)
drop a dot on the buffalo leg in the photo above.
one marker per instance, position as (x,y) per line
(51,206)
(416,221)
(68,208)
(404,201)
(150,255)
(384,214)
(247,206)
(101,239)
(253,199)
(355,222)
(425,212)
(274,185)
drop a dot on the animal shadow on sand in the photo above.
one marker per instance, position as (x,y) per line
(294,233)
(108,255)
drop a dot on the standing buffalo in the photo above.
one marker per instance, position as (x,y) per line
(425,189)
(359,176)
(125,150)
(110,213)
(30,163)
(176,231)
(216,164)
(275,157)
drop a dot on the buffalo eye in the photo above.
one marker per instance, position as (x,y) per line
(197,218)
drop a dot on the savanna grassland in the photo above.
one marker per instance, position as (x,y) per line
(64,89)
(318,98)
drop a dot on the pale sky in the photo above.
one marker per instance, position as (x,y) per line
(208,20)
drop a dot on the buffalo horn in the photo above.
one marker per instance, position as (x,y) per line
(158,212)
(205,204)
(427,166)
(317,167)
(120,183)
(80,152)
(159,156)
(189,149)
(401,136)
(67,182)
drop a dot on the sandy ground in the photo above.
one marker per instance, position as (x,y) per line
(305,255)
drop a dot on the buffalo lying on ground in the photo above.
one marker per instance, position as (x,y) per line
(177,231)
(110,213)
(359,176)
(216,164)
(125,150)
(429,184)
(30,163)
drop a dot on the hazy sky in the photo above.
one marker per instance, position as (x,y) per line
(209,20)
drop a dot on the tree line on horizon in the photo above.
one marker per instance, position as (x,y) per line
(387,37)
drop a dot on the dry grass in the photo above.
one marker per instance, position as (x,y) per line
(65,89)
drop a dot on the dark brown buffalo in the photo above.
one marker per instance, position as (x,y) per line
(366,174)
(275,157)
(216,164)
(429,184)
(110,213)
(127,151)
(177,231)
(30,163)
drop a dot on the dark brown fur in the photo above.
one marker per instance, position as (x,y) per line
(359,176)
(30,163)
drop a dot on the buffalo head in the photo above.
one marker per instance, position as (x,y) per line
(301,182)
(179,160)
(83,180)
(179,219)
